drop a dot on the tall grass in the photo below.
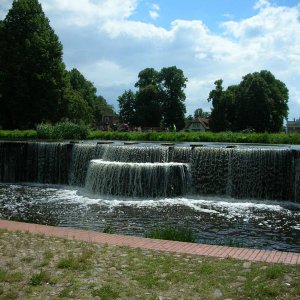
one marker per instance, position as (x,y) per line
(172,233)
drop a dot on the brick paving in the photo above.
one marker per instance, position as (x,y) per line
(158,245)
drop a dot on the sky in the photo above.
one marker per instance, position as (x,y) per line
(111,41)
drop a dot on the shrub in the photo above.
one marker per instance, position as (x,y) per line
(172,233)
(44,131)
(62,130)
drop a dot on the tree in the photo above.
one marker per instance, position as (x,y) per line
(127,105)
(148,76)
(259,102)
(172,83)
(101,108)
(262,102)
(218,118)
(158,101)
(148,107)
(33,76)
(200,113)
(96,106)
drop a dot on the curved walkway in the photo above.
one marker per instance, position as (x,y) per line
(159,245)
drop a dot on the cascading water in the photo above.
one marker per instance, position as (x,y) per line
(256,173)
(136,154)
(34,162)
(81,157)
(245,173)
(137,179)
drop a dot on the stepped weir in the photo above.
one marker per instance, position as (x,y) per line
(134,171)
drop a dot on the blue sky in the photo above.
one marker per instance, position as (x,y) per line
(110,41)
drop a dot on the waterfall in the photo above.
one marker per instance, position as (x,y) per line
(136,154)
(81,156)
(257,173)
(137,179)
(244,173)
(34,162)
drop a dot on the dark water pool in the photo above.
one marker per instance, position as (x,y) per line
(257,224)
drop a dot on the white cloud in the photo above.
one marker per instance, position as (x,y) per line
(108,73)
(262,4)
(88,12)
(153,14)
(155,6)
(102,41)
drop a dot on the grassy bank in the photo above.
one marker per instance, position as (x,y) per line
(39,267)
(228,137)
(18,134)
(224,137)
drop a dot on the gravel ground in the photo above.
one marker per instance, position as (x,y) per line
(39,267)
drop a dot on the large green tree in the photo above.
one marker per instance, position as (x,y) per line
(148,76)
(259,102)
(262,102)
(148,106)
(95,107)
(33,77)
(127,105)
(218,118)
(172,85)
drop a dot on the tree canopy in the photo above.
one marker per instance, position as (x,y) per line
(259,102)
(200,113)
(159,100)
(32,71)
(34,84)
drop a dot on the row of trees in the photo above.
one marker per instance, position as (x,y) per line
(258,102)
(34,83)
(158,101)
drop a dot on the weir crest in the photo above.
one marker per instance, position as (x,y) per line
(155,171)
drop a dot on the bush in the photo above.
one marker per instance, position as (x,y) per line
(172,233)
(62,130)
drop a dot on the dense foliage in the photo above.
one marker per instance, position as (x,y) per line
(159,101)
(32,77)
(259,103)
(34,84)
(62,130)
(200,113)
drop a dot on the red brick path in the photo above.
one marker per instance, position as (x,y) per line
(160,245)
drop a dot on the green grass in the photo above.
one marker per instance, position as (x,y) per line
(78,262)
(228,137)
(172,233)
(39,278)
(121,272)
(10,277)
(106,293)
(67,130)
(18,134)
(109,229)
